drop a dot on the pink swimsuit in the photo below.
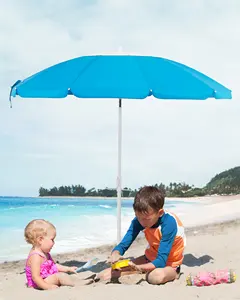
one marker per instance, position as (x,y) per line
(47,268)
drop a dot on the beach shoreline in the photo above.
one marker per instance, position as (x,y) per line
(199,212)
(189,231)
(196,198)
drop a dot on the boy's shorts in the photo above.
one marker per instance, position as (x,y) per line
(177,268)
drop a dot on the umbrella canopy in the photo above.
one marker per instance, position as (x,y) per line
(128,77)
(121,77)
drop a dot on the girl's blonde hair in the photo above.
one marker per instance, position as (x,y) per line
(37,228)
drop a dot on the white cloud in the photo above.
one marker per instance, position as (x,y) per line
(53,142)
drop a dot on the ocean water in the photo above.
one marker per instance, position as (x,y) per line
(80,222)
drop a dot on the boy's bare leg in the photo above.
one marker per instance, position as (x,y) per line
(160,276)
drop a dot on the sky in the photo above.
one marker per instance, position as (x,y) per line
(74,141)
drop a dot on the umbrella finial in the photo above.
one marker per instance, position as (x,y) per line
(120,50)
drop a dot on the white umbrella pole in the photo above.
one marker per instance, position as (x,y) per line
(119,183)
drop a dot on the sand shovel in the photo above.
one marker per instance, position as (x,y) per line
(87,265)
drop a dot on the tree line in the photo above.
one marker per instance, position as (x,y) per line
(224,183)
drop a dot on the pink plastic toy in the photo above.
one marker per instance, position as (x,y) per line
(211,278)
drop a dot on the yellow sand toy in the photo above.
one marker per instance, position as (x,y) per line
(120,264)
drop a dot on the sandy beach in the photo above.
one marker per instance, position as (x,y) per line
(210,246)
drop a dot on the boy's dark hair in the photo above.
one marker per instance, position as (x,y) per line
(149,197)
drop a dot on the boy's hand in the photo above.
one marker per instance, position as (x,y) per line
(115,256)
(135,267)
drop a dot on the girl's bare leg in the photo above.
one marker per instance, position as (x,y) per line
(59,279)
(63,279)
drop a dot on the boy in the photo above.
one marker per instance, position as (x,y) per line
(164,233)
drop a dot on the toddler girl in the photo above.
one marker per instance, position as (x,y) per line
(41,270)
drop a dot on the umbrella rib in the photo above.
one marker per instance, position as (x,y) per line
(194,74)
(139,67)
(83,70)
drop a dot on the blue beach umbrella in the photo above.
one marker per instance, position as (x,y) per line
(120,77)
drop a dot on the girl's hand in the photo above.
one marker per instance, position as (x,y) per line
(72,269)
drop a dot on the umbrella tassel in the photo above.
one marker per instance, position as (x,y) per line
(10,98)
(13,92)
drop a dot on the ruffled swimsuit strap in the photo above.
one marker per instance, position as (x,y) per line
(34,253)
(50,257)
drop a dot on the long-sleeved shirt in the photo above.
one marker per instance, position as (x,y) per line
(166,240)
